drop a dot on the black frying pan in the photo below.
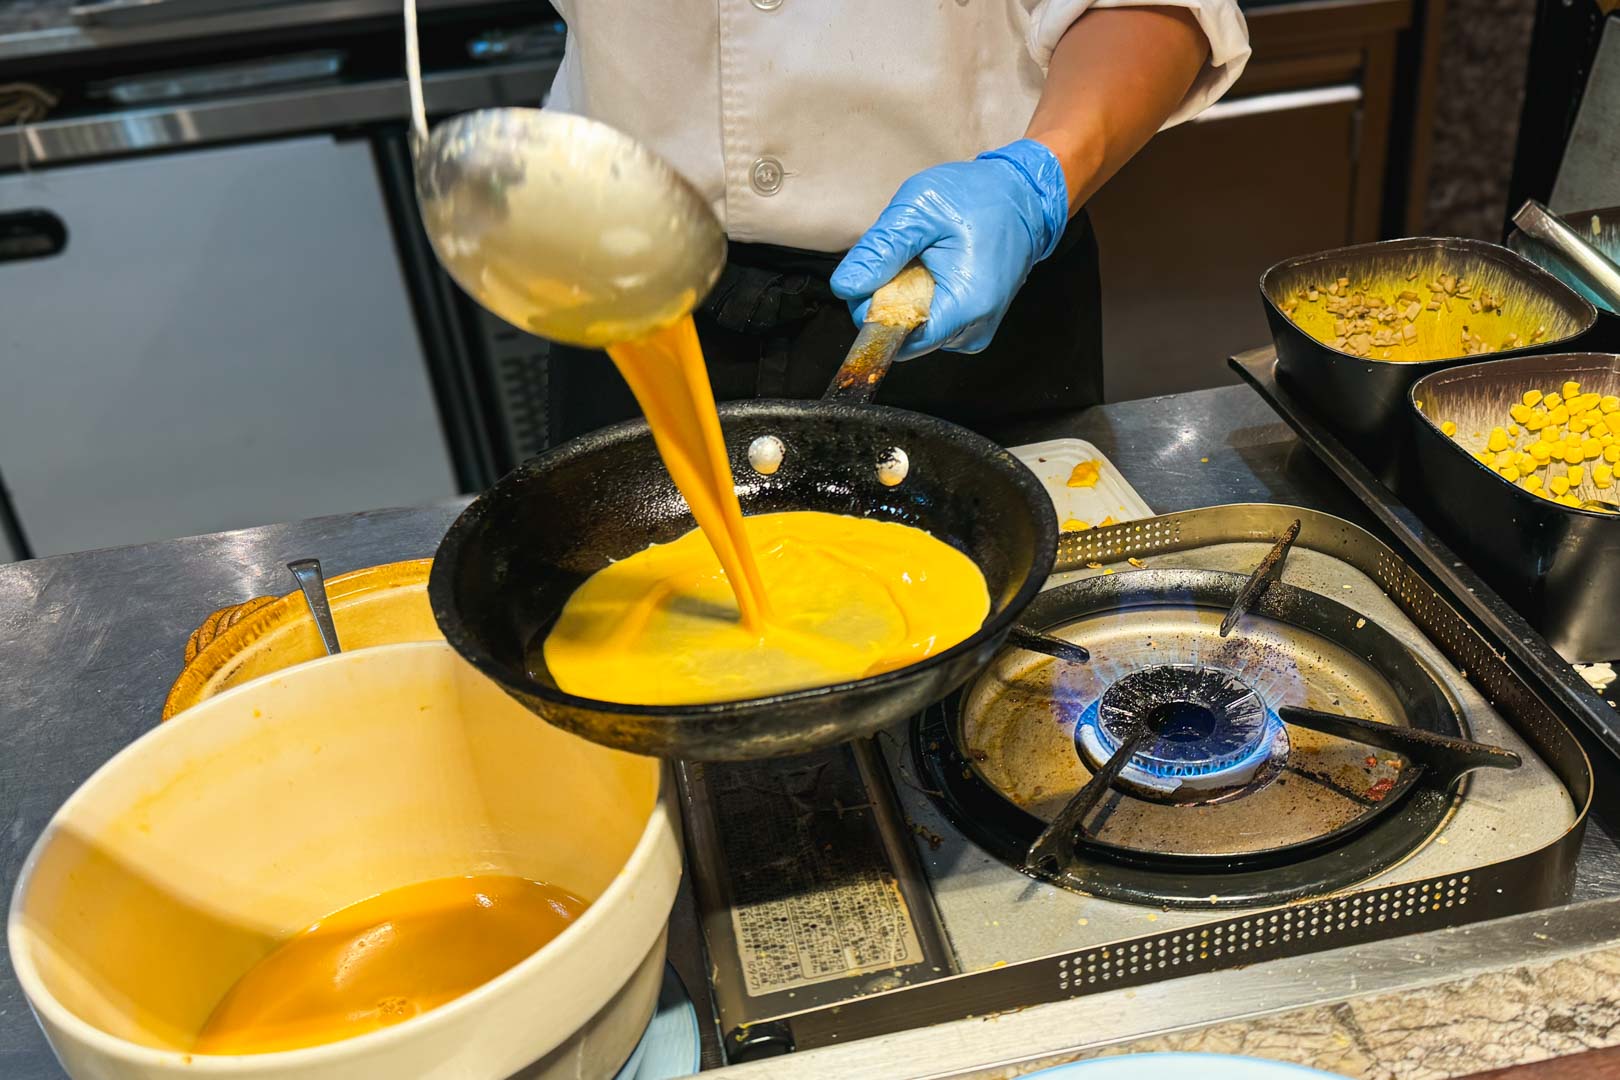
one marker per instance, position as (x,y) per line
(512,559)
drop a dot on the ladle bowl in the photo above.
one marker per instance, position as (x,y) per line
(565,227)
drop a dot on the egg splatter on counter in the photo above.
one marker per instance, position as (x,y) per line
(1085,474)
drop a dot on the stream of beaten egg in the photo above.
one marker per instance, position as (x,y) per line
(666,373)
(386,959)
(850,597)
(741,607)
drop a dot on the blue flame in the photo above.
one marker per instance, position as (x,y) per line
(1157,762)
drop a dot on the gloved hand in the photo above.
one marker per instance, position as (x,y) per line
(979,226)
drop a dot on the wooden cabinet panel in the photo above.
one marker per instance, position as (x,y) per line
(1187,228)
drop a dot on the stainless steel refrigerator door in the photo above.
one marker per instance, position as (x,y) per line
(225,340)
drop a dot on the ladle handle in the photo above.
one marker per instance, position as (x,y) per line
(413,78)
(896,310)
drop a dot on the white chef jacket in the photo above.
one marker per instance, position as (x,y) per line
(798,119)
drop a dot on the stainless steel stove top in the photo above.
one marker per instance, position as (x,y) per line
(839,899)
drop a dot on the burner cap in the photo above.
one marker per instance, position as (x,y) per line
(1211,730)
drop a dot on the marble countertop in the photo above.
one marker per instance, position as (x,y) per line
(1517,1015)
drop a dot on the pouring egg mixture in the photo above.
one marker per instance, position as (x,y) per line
(747,607)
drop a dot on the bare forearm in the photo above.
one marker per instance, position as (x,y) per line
(1115,78)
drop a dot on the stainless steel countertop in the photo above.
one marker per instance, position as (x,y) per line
(268,114)
(90,642)
(48,30)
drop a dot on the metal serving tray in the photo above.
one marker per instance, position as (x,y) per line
(837,903)
(1559,684)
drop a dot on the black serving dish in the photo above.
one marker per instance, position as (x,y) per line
(1558,565)
(1511,635)
(1362,399)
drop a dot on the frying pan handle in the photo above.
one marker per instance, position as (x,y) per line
(896,310)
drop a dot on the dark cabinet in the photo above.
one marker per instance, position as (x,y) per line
(1293,160)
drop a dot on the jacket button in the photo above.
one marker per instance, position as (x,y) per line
(767,5)
(766,176)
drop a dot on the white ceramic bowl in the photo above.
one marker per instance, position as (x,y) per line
(248,817)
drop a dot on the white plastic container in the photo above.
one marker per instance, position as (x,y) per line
(255,813)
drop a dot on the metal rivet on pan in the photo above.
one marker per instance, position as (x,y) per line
(893,466)
(765,454)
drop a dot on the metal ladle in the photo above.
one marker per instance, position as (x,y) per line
(562,226)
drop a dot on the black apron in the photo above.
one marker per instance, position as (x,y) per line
(772,328)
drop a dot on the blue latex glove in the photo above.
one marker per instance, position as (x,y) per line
(979,226)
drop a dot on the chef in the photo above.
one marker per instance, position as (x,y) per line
(838,139)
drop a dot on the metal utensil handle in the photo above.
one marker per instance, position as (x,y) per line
(413,76)
(1447,757)
(1047,645)
(1269,570)
(307,572)
(896,310)
(1053,850)
(1596,271)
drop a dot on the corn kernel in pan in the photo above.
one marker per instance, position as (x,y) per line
(1557,444)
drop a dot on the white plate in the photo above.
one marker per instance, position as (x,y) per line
(1181,1067)
(1113,497)
(669,1048)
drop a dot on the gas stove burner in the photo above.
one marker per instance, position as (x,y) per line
(1211,732)
(1219,802)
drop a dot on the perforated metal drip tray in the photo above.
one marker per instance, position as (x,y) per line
(856,891)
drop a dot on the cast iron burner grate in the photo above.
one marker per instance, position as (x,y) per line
(1187,747)
(1209,732)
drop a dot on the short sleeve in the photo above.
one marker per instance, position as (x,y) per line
(1221,21)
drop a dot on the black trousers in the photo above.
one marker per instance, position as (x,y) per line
(772,328)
